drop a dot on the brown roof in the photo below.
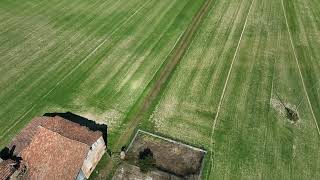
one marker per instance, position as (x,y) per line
(72,130)
(7,169)
(56,124)
(53,156)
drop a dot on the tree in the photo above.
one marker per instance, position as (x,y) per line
(146,162)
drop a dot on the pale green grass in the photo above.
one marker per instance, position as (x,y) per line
(96,58)
(198,82)
(251,139)
(91,57)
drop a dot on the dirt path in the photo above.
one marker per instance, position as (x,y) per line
(159,83)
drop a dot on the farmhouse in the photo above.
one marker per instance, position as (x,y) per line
(55,148)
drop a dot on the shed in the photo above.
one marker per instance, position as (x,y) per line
(55,147)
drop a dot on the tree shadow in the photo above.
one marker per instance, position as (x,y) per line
(7,153)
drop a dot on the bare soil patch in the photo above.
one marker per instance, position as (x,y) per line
(171,158)
(286,110)
(128,172)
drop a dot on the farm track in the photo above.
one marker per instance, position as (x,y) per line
(160,82)
(152,79)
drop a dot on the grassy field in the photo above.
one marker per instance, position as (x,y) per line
(223,95)
(97,59)
(93,57)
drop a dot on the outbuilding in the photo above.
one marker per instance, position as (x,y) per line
(57,148)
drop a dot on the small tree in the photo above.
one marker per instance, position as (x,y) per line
(146,161)
(292,115)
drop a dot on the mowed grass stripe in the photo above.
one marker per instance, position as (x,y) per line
(200,80)
(34,52)
(52,16)
(245,99)
(201,76)
(130,65)
(53,36)
(294,147)
(118,47)
(253,141)
(302,21)
(24,12)
(226,83)
(162,75)
(27,82)
(19,9)
(173,103)
(44,13)
(83,60)
(121,83)
(298,64)
(29,111)
(82,71)
(125,101)
(123,89)
(37,63)
(70,53)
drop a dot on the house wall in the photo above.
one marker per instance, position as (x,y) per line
(94,155)
(81,176)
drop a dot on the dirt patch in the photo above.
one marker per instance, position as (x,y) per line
(171,157)
(286,110)
(128,172)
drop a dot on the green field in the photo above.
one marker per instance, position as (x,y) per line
(94,58)
(99,59)
(221,96)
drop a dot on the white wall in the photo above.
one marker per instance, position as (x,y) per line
(93,157)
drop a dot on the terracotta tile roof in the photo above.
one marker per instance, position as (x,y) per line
(72,130)
(53,156)
(23,139)
(56,124)
(7,169)
(53,147)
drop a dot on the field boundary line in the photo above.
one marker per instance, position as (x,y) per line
(298,64)
(75,68)
(133,139)
(163,138)
(226,84)
(172,141)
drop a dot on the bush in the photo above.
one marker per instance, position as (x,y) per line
(146,161)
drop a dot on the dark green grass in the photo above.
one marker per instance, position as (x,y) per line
(43,41)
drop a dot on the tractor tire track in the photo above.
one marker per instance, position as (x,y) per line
(159,82)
